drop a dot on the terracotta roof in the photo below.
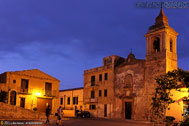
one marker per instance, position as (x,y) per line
(71,89)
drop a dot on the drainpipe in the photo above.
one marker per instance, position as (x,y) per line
(64,101)
(72,99)
(8,76)
(110,110)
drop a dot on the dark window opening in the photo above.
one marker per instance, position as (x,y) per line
(68,100)
(100,77)
(61,101)
(3,78)
(24,85)
(22,102)
(156,45)
(100,93)
(171,46)
(106,76)
(75,100)
(92,94)
(48,89)
(92,80)
(105,93)
(105,110)
(92,107)
(14,81)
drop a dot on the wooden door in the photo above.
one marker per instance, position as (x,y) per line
(22,102)
(42,104)
(13,98)
(128,110)
(105,110)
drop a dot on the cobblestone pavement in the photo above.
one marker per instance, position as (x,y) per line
(76,122)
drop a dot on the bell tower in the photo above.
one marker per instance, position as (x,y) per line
(162,43)
(161,55)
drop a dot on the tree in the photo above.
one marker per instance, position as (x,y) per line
(174,80)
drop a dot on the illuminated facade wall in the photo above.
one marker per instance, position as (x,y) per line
(178,109)
(131,83)
(99,88)
(71,99)
(31,89)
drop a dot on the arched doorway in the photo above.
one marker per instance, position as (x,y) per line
(13,98)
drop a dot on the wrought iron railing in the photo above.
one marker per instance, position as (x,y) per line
(50,93)
(91,100)
(22,90)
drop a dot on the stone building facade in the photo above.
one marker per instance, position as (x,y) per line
(31,89)
(98,93)
(130,83)
(71,99)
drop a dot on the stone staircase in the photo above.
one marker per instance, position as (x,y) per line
(14,112)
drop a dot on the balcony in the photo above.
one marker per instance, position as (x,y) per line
(27,91)
(91,100)
(50,93)
(93,84)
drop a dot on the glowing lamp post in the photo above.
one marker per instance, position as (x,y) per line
(38,94)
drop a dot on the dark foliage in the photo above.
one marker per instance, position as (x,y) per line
(3,96)
(176,79)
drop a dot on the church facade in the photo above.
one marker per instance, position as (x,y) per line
(123,87)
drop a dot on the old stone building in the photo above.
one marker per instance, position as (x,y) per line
(123,87)
(31,89)
(98,93)
(71,99)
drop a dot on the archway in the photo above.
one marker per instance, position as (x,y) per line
(13,98)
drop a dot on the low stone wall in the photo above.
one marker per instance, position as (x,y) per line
(69,113)
(15,112)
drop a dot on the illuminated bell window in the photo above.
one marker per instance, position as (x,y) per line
(156,45)
(171,46)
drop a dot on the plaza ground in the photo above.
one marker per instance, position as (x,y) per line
(85,122)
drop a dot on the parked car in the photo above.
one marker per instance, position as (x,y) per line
(83,114)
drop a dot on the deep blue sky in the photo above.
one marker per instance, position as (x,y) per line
(65,37)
